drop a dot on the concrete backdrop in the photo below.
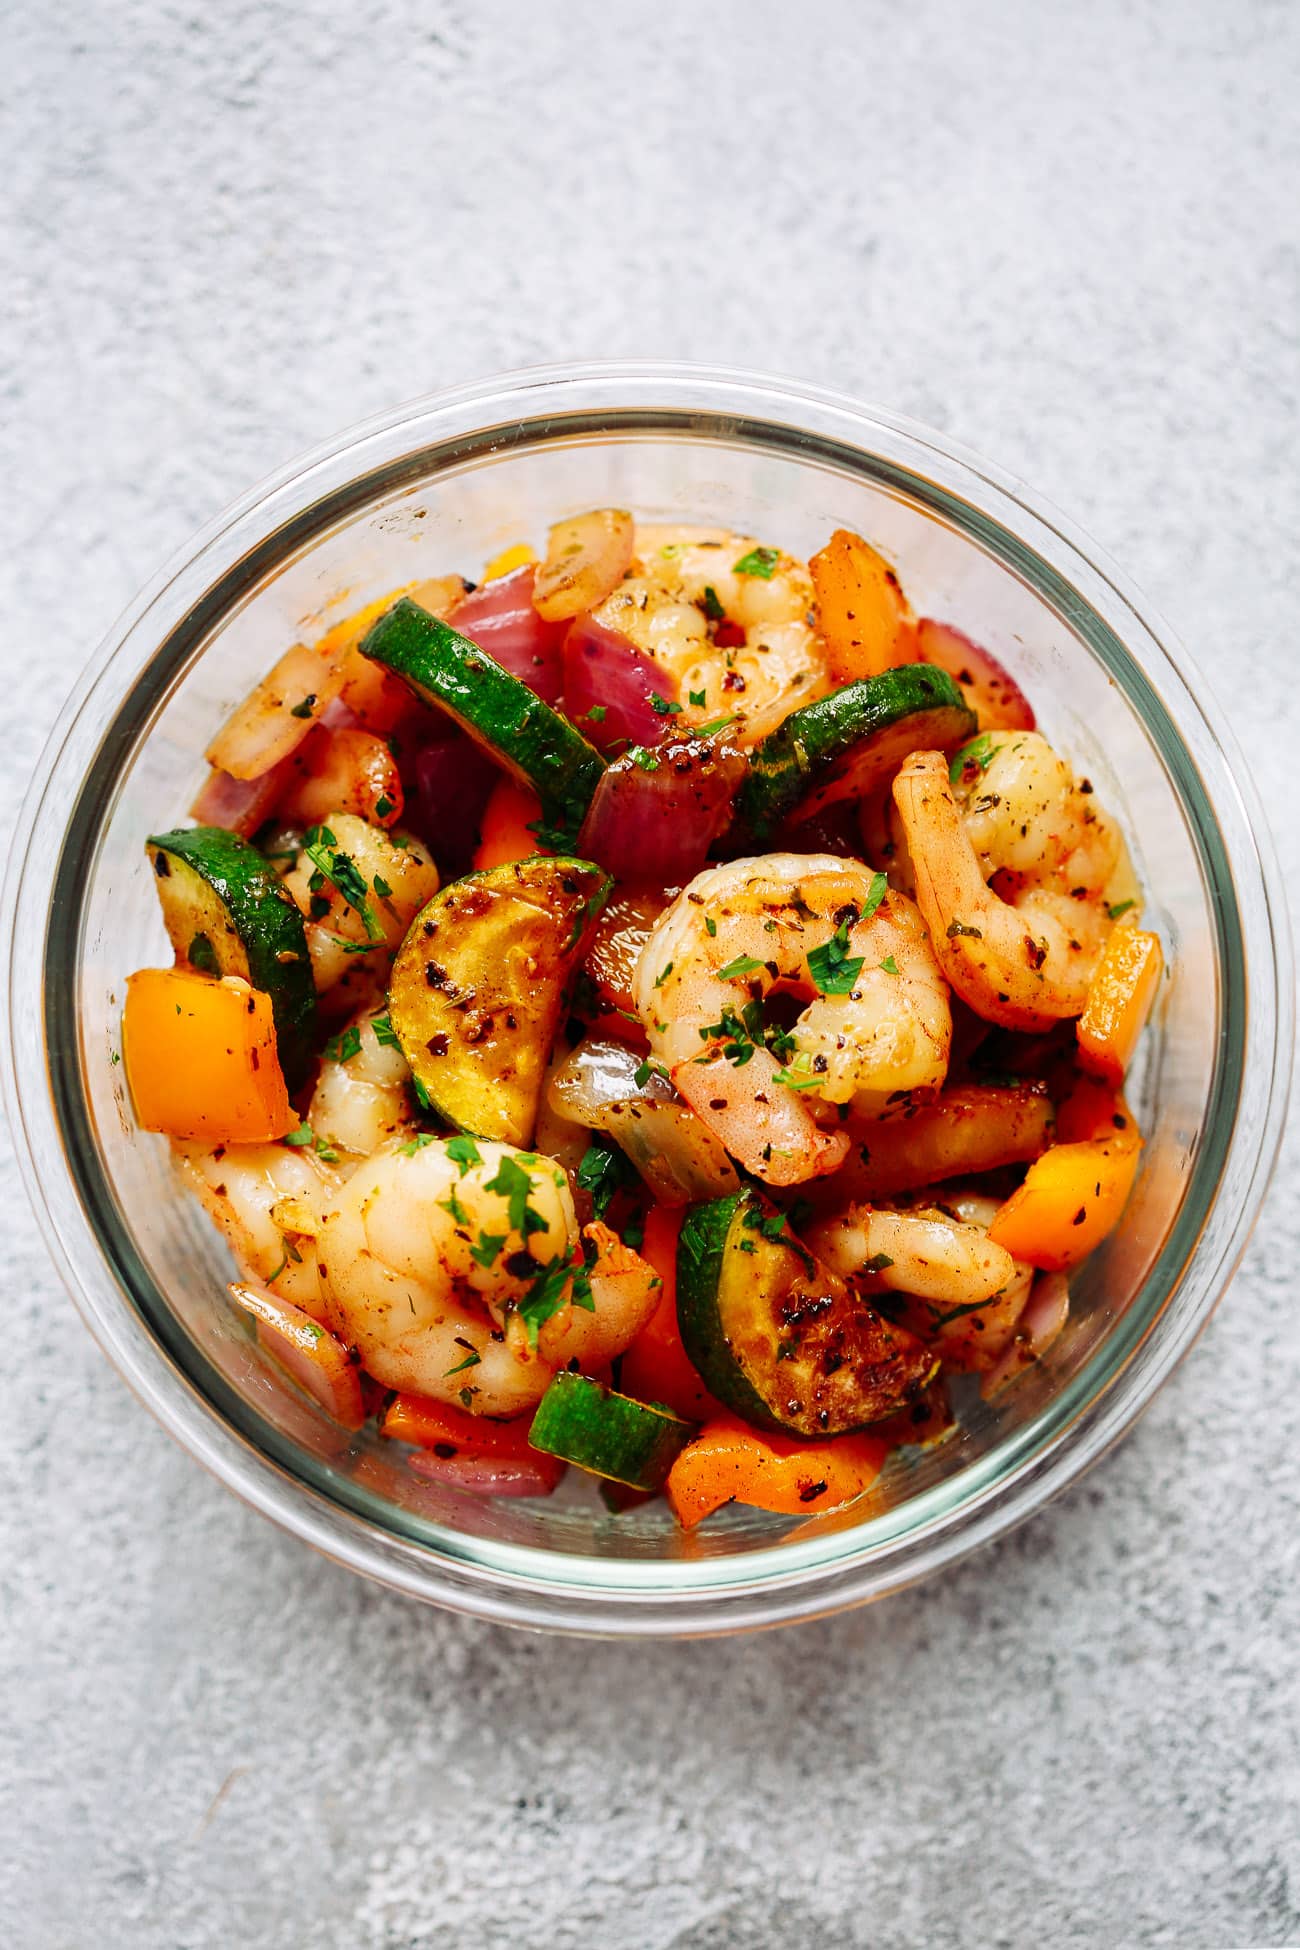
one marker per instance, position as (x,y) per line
(1068,236)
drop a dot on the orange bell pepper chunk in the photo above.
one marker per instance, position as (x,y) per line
(1091,1109)
(730,1462)
(317,1359)
(863,617)
(1070,1199)
(656,1367)
(504,834)
(201,1058)
(518,556)
(1119,1001)
(448,1431)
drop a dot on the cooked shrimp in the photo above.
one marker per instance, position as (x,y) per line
(877,1021)
(361,1100)
(965,1292)
(347,770)
(392,872)
(1027,815)
(1025,961)
(454,1269)
(683,580)
(268,1200)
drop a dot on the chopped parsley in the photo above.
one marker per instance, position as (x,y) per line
(877,1263)
(305,706)
(710,925)
(304,1138)
(343,1047)
(889,965)
(381,887)
(662,707)
(464,1152)
(644,1071)
(1118,908)
(716,724)
(956,928)
(603,1171)
(598,713)
(385,1035)
(833,969)
(453,1205)
(514,1185)
(486,1248)
(383,806)
(646,760)
(793,1081)
(471,1361)
(550,1291)
(341,870)
(698,698)
(973,758)
(759,562)
(739,1035)
(875,894)
(742,965)
(712,607)
(663,975)
(416,1144)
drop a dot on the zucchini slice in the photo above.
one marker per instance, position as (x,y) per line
(478,983)
(226,913)
(498,711)
(609,1435)
(841,745)
(778,1336)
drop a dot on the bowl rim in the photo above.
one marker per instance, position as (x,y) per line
(767,1585)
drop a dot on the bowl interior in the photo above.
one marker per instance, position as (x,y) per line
(449,507)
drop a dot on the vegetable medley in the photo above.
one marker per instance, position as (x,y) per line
(664,1010)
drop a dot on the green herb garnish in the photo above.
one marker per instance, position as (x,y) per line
(464,1152)
(759,562)
(975,756)
(343,1047)
(833,969)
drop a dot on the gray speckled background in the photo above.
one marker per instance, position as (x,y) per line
(1068,236)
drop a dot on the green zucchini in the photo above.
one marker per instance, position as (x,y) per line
(226,913)
(779,1337)
(610,1435)
(498,711)
(840,745)
(478,983)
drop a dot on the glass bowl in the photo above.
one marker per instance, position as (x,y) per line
(442,485)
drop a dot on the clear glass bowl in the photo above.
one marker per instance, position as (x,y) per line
(439,486)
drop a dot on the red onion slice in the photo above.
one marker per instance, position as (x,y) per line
(452,779)
(489,1475)
(605,672)
(242,805)
(499,617)
(991,691)
(655,814)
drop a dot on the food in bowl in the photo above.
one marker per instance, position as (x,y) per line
(662,1010)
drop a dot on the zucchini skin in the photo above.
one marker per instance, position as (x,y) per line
(262,919)
(498,710)
(777,1336)
(609,1435)
(830,748)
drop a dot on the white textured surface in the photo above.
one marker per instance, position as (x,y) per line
(1068,235)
